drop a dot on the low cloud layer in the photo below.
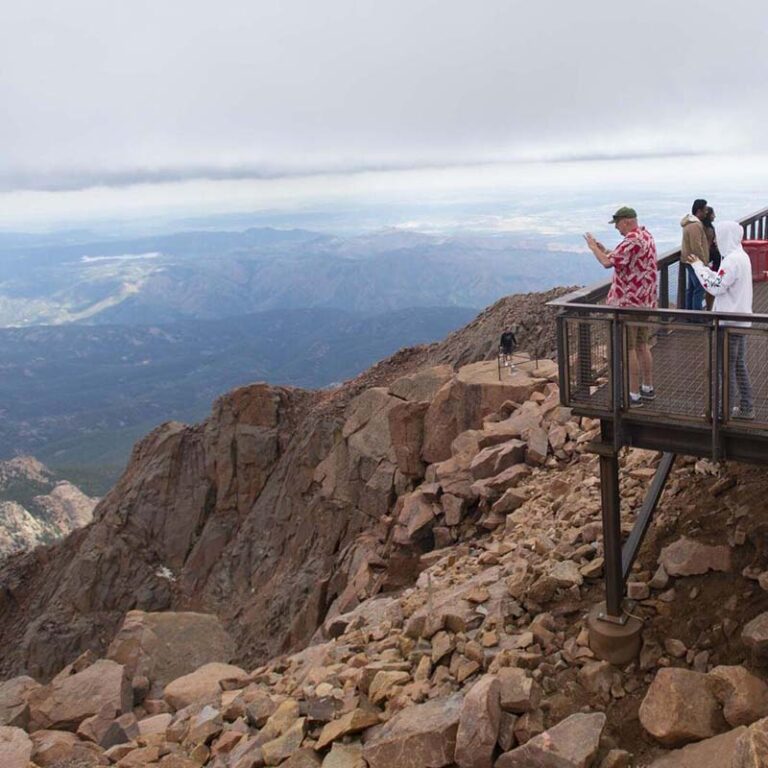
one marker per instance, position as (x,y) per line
(106,93)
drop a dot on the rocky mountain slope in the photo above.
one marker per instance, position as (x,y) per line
(476,654)
(37,507)
(232,514)
(427,541)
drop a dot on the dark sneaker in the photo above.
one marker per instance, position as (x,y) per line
(647,393)
(748,414)
(635,400)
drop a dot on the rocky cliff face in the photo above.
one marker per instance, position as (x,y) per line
(36,507)
(257,513)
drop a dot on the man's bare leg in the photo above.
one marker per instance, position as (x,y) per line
(646,364)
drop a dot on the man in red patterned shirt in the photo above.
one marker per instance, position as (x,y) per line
(634,285)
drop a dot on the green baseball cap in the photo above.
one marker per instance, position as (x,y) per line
(625,212)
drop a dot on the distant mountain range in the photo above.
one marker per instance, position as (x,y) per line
(101,339)
(209,275)
(79,396)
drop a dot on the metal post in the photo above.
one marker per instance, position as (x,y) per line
(681,286)
(609,492)
(664,288)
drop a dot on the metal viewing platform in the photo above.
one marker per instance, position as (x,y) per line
(692,413)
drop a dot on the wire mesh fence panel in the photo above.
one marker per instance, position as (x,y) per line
(672,272)
(745,374)
(760,297)
(588,347)
(680,361)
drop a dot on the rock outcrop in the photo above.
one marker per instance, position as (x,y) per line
(37,507)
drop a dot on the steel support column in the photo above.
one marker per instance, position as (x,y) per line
(611,508)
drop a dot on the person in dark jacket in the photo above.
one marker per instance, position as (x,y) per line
(714,253)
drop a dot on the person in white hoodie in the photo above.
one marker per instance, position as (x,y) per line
(731,285)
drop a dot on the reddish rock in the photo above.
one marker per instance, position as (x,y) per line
(107,731)
(406,427)
(166,646)
(14,694)
(201,686)
(281,748)
(680,706)
(495,486)
(716,752)
(417,517)
(419,736)
(345,756)
(687,557)
(353,722)
(56,748)
(492,461)
(453,508)
(751,748)
(755,636)
(511,500)
(744,696)
(423,385)
(479,725)
(15,747)
(303,758)
(572,743)
(518,692)
(537,441)
(99,689)
(461,404)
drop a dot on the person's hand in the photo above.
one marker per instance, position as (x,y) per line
(689,259)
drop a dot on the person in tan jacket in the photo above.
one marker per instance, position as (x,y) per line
(695,244)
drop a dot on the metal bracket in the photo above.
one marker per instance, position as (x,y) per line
(628,607)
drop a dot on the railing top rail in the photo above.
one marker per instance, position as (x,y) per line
(587,297)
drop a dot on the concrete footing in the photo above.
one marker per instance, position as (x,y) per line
(618,643)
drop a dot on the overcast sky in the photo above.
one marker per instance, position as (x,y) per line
(165,93)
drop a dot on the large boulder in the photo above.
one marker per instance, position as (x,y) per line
(716,752)
(494,460)
(422,385)
(416,737)
(406,427)
(57,748)
(101,688)
(165,646)
(463,402)
(201,686)
(744,696)
(680,706)
(751,749)
(686,557)
(755,636)
(479,724)
(572,743)
(15,748)
(14,695)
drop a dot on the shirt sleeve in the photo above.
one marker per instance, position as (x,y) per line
(624,251)
(716,283)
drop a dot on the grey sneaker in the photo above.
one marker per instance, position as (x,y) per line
(742,412)
(647,393)
(635,400)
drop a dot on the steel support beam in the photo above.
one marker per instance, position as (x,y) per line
(645,515)
(611,509)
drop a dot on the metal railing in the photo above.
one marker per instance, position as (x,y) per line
(711,369)
(711,394)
